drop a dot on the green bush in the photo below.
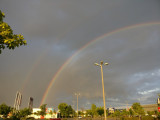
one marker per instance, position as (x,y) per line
(148,118)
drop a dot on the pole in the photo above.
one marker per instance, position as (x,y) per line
(103,92)
(105,116)
(77,105)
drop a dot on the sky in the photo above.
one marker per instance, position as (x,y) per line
(64,40)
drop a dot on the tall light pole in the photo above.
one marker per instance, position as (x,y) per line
(77,102)
(103,86)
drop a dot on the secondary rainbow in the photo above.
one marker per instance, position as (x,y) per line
(60,70)
(33,68)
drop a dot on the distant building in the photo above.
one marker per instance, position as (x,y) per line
(111,110)
(150,107)
(49,113)
(34,111)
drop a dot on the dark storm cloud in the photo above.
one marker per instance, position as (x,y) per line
(137,53)
(55,30)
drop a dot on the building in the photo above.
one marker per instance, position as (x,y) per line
(150,107)
(49,113)
(111,110)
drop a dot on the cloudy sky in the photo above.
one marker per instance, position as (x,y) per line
(64,40)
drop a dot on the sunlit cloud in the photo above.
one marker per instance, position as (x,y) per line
(149,91)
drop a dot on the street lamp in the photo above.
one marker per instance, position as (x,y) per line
(103,86)
(77,102)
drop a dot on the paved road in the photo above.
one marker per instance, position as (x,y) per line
(87,119)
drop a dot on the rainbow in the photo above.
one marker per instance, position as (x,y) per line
(60,70)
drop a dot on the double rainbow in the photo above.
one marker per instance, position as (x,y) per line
(60,70)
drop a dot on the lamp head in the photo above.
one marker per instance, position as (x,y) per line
(105,63)
(77,93)
(101,62)
(96,64)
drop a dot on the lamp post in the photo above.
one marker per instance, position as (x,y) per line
(77,102)
(103,86)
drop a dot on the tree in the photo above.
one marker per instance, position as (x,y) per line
(24,112)
(131,112)
(20,114)
(124,113)
(15,115)
(69,111)
(100,111)
(5,110)
(43,110)
(138,109)
(62,107)
(94,110)
(7,38)
(117,113)
(66,110)
(88,113)
(80,113)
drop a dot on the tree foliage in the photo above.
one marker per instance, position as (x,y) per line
(117,113)
(94,110)
(5,110)
(100,111)
(131,112)
(88,113)
(43,110)
(69,111)
(24,112)
(7,38)
(65,110)
(14,114)
(138,109)
(124,112)
(20,114)
(62,107)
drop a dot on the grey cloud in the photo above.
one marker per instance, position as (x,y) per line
(56,30)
